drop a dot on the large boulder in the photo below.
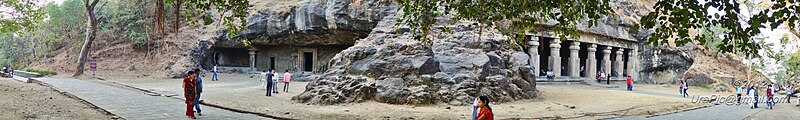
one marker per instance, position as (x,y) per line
(390,66)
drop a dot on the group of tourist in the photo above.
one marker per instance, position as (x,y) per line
(752,91)
(683,88)
(192,88)
(271,81)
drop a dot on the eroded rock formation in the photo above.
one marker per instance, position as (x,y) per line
(390,66)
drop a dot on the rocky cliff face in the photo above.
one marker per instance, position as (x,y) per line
(312,23)
(390,66)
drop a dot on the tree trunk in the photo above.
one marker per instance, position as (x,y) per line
(91,29)
(177,15)
(159,22)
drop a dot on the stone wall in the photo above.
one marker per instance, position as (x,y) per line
(288,57)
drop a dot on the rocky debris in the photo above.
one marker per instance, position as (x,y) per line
(390,66)
(312,22)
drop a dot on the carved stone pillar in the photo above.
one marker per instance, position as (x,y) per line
(607,61)
(574,60)
(533,50)
(555,58)
(591,62)
(619,64)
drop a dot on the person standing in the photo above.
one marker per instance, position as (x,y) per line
(199,89)
(680,87)
(739,94)
(485,111)
(608,79)
(789,91)
(269,82)
(769,96)
(189,92)
(629,81)
(755,96)
(274,81)
(475,109)
(214,71)
(748,88)
(263,78)
(287,77)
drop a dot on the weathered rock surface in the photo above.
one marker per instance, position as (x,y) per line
(390,66)
(311,23)
(664,64)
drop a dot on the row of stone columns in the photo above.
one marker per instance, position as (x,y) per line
(607,65)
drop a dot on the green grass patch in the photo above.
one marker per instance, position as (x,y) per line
(43,72)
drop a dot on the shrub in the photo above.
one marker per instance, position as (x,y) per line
(43,72)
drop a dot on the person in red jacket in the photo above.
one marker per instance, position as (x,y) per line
(630,83)
(485,111)
(189,83)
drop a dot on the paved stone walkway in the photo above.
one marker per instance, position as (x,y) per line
(718,112)
(135,105)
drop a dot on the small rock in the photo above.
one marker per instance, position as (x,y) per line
(346,110)
(287,113)
(447,108)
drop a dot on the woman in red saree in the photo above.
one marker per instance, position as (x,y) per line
(189,83)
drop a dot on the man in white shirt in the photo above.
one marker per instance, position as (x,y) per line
(263,78)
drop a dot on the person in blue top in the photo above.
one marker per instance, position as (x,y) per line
(739,94)
(755,96)
(199,89)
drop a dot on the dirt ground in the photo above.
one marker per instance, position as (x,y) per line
(555,101)
(32,101)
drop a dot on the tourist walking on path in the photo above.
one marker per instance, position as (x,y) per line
(214,71)
(485,111)
(770,100)
(629,81)
(287,77)
(189,92)
(685,88)
(199,89)
(789,90)
(269,82)
(680,87)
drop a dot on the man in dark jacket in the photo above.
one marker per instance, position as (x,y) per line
(270,74)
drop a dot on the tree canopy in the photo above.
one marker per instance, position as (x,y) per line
(420,15)
(671,19)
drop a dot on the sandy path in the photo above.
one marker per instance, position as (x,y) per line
(32,101)
(556,101)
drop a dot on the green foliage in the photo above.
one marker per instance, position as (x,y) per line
(42,72)
(673,19)
(128,17)
(524,15)
(238,8)
(22,16)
